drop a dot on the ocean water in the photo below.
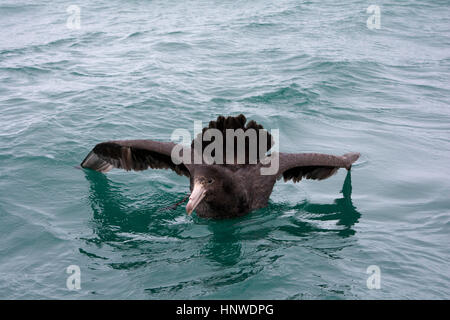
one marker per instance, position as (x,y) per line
(141,69)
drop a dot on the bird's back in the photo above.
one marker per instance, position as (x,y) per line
(257,187)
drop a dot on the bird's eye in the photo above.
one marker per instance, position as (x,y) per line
(210,181)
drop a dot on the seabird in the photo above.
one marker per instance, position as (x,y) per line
(219,190)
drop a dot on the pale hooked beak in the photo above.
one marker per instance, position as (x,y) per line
(197,195)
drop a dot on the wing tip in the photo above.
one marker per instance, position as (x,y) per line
(93,162)
(84,163)
(350,158)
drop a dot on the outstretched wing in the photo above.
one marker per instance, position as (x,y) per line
(133,155)
(316,166)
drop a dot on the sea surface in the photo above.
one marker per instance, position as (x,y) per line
(141,69)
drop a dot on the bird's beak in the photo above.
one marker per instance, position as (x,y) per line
(197,195)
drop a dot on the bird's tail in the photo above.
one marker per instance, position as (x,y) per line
(350,158)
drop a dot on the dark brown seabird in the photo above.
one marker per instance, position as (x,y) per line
(218,190)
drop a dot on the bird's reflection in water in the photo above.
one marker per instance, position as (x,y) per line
(342,211)
(225,245)
(114,214)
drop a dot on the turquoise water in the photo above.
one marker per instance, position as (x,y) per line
(140,69)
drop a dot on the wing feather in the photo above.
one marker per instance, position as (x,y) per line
(315,166)
(134,155)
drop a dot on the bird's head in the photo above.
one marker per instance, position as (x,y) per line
(209,185)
